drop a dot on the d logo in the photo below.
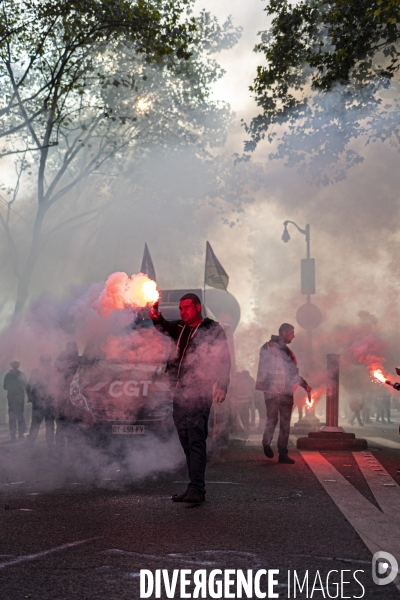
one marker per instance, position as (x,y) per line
(384,563)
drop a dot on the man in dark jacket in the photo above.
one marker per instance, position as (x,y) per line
(15,384)
(199,368)
(278,377)
(40,394)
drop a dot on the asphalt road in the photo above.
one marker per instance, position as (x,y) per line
(72,533)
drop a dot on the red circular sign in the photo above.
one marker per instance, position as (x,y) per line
(308,316)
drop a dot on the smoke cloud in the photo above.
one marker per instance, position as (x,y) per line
(175,199)
(121,291)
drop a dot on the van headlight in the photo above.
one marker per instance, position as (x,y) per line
(76,397)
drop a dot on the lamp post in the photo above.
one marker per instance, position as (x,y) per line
(306,232)
(308,316)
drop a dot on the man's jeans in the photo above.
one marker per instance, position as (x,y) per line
(191,422)
(281,406)
(38,414)
(16,415)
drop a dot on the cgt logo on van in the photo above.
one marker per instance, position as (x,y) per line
(384,568)
(128,388)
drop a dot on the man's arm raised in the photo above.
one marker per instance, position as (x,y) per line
(171,328)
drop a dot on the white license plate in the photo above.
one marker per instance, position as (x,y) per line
(129,429)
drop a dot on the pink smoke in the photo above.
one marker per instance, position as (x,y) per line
(368,350)
(121,291)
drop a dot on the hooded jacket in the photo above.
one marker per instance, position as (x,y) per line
(199,356)
(277,370)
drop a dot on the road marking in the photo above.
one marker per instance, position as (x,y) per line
(333,558)
(215,557)
(209,481)
(386,493)
(378,531)
(27,557)
(167,558)
(383,442)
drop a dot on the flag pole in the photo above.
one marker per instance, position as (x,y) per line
(204,285)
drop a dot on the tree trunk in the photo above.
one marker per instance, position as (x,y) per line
(27,273)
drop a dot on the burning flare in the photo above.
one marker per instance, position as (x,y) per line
(379,375)
(310,402)
(314,397)
(121,291)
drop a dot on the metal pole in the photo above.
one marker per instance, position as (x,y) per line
(309,349)
(309,331)
(332,391)
(204,285)
(308,240)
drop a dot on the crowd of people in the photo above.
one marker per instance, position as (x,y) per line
(48,391)
(372,407)
(199,370)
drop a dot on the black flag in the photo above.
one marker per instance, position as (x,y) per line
(147,264)
(215,275)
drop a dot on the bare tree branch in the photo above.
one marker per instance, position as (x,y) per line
(27,150)
(72,219)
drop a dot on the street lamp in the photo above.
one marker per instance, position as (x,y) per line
(306,232)
(285,234)
(308,316)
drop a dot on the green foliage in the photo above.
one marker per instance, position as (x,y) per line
(86,82)
(49,50)
(349,46)
(153,26)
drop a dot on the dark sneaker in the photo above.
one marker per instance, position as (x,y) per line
(269,453)
(179,497)
(194,496)
(398,471)
(285,459)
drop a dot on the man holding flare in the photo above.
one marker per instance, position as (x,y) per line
(278,377)
(199,371)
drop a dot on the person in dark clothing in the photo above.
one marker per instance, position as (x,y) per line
(278,377)
(199,371)
(383,406)
(356,406)
(39,393)
(65,368)
(15,385)
(386,408)
(366,410)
